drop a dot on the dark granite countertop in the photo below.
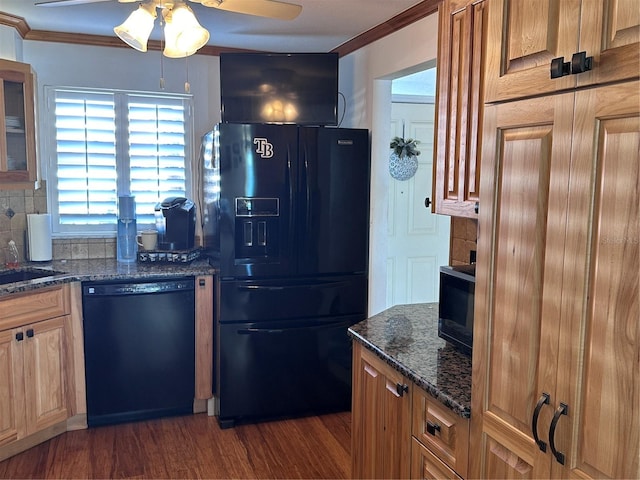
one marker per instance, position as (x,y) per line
(406,337)
(103,269)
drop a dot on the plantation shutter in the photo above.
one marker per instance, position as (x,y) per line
(157,152)
(85,140)
(115,143)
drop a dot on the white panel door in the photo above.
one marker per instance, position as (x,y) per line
(418,242)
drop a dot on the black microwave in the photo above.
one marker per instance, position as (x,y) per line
(455,310)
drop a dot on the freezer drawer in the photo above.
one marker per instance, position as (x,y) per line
(265,300)
(274,369)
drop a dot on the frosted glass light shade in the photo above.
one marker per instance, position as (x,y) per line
(137,27)
(183,35)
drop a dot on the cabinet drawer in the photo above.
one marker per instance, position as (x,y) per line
(27,307)
(441,431)
(425,465)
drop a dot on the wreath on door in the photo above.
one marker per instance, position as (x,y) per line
(403,161)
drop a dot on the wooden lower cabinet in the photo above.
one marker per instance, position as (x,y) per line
(387,410)
(35,380)
(381,418)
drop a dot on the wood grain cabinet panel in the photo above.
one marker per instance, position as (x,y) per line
(459,107)
(381,418)
(557,288)
(426,466)
(524,37)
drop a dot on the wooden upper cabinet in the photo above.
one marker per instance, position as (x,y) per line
(459,107)
(17,126)
(524,37)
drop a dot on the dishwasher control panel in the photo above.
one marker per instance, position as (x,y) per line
(100,289)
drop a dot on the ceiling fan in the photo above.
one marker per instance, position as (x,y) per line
(261,8)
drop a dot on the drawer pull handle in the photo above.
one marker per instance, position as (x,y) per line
(544,400)
(561,410)
(432,428)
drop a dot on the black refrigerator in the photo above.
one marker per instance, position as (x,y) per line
(286,220)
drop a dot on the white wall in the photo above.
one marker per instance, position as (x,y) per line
(368,86)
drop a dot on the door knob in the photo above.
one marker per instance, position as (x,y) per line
(427,202)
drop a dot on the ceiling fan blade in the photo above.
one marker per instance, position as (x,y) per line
(260,8)
(64,3)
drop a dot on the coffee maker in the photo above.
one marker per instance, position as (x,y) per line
(176,223)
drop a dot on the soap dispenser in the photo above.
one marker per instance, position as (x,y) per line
(13,257)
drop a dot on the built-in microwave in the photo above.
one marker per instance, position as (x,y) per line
(455,319)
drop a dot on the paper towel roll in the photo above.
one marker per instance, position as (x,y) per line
(39,231)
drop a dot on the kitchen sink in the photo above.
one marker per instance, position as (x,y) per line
(22,275)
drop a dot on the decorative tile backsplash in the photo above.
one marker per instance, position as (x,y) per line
(15,205)
(464,236)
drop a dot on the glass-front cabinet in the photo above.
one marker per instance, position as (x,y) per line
(17,126)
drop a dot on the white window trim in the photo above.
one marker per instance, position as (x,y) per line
(49,154)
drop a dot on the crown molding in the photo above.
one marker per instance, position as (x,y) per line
(413,14)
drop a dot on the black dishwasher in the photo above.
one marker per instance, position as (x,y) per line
(139,341)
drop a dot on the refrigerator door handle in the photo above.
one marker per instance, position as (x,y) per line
(305,180)
(254,288)
(269,331)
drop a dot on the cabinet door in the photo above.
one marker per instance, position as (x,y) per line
(381,423)
(610,32)
(17,125)
(519,283)
(11,388)
(44,370)
(599,341)
(523,38)
(458,130)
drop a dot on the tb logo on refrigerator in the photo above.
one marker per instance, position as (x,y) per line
(263,147)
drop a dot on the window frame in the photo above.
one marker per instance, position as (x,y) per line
(122,98)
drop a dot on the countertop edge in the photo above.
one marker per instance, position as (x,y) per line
(102,270)
(458,408)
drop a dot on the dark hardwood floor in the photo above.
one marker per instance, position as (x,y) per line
(193,447)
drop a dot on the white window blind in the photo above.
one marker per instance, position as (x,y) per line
(107,144)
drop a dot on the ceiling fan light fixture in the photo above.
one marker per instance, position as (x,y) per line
(183,34)
(137,27)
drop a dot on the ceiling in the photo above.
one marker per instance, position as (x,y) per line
(322,26)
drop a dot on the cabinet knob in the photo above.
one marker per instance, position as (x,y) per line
(427,202)
(560,68)
(30,333)
(402,388)
(476,207)
(19,336)
(581,63)
(432,428)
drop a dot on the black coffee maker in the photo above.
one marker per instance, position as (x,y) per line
(176,223)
